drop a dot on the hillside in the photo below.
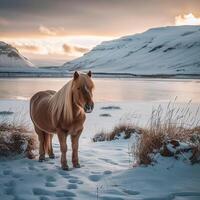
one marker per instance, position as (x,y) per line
(165,50)
(10,58)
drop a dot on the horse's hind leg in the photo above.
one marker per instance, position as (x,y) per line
(41,137)
(50,147)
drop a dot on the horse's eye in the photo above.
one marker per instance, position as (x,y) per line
(78,88)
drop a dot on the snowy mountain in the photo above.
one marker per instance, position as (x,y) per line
(165,50)
(10,58)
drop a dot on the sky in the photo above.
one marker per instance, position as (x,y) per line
(51,32)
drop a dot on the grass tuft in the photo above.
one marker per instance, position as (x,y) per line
(173,124)
(123,130)
(16,139)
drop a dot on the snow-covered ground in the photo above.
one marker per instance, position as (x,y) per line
(164,50)
(106,167)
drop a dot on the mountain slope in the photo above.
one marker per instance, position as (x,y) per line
(11,58)
(165,50)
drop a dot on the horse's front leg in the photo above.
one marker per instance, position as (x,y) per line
(75,141)
(63,148)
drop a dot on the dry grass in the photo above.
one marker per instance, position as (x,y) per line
(165,124)
(174,123)
(126,130)
(16,139)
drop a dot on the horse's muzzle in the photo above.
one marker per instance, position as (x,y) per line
(88,108)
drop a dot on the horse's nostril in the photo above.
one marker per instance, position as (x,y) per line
(89,107)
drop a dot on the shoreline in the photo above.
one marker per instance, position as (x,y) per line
(95,74)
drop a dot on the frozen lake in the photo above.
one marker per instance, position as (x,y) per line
(110,89)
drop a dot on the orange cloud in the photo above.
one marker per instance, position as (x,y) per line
(52,31)
(188,19)
(67,48)
(27,48)
(46,31)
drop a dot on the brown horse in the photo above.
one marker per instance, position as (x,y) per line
(62,112)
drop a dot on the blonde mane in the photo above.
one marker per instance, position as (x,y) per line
(61,104)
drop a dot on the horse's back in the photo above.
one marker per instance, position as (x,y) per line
(41,94)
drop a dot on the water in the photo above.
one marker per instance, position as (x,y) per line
(109,89)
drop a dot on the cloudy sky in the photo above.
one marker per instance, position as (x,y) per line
(54,31)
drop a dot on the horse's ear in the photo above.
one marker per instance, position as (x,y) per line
(76,75)
(89,74)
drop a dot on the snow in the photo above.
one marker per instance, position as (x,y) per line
(106,167)
(11,58)
(165,50)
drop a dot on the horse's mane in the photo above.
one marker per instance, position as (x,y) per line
(61,104)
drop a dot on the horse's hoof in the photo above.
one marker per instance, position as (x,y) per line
(52,156)
(77,165)
(65,168)
(41,159)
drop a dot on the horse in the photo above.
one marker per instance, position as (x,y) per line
(63,113)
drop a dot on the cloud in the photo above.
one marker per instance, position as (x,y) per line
(74,49)
(81,49)
(89,17)
(52,31)
(46,31)
(27,48)
(188,19)
(67,48)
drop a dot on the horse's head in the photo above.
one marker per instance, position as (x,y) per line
(82,88)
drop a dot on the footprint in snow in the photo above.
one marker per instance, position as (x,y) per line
(40,191)
(111,198)
(62,172)
(72,186)
(93,172)
(75,181)
(72,177)
(11,183)
(95,177)
(32,168)
(44,198)
(16,197)
(7,172)
(50,179)
(40,174)
(49,184)
(107,172)
(185,194)
(130,192)
(10,191)
(64,193)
